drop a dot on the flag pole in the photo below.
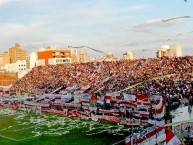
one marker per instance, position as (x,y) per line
(131,136)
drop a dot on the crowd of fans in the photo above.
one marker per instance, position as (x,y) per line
(117,75)
(187,140)
(114,76)
(186,129)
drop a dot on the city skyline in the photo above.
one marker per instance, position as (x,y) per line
(111,26)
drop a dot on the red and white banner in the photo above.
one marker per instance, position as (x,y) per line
(84,88)
(110,118)
(133,121)
(73,114)
(58,98)
(108,96)
(15,106)
(85,102)
(144,114)
(155,122)
(142,138)
(129,97)
(86,115)
(47,97)
(22,107)
(94,117)
(100,99)
(142,98)
(159,108)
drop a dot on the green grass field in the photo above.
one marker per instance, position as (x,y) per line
(21,128)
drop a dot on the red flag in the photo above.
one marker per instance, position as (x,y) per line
(171,139)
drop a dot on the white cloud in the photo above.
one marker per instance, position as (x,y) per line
(148,25)
(92,14)
(3,2)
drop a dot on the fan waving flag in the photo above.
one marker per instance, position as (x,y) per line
(171,139)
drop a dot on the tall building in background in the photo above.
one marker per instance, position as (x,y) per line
(169,51)
(18,66)
(53,56)
(162,51)
(4,59)
(17,53)
(129,56)
(81,56)
(28,62)
(1,60)
(175,51)
(110,57)
(32,60)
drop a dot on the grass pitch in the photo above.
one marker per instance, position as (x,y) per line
(21,128)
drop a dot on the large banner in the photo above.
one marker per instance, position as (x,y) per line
(145,136)
(110,118)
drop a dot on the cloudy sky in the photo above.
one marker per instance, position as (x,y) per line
(115,26)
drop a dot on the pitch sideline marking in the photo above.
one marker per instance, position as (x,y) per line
(26,138)
(8,138)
